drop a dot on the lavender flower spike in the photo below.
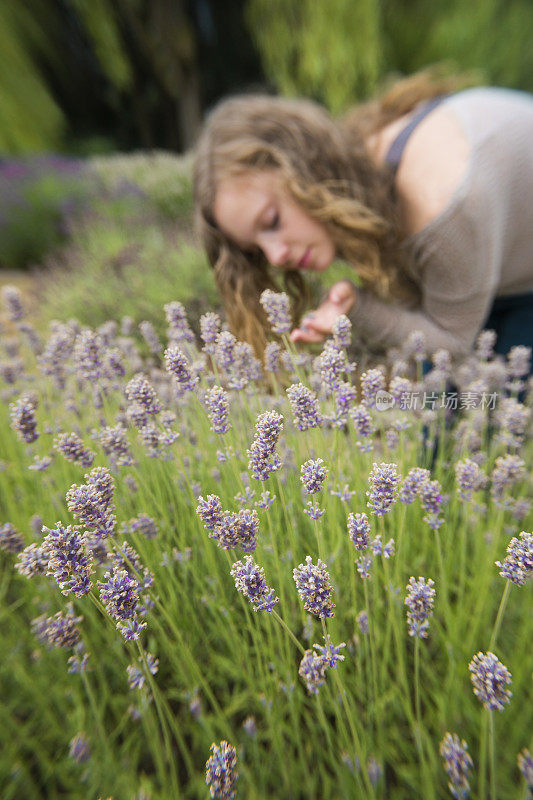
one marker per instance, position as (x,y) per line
(262,454)
(359,531)
(304,406)
(69,560)
(210,511)
(277,308)
(23,420)
(72,448)
(525,765)
(457,763)
(216,400)
(489,679)
(419,600)
(250,580)
(517,565)
(178,366)
(314,588)
(313,671)
(220,771)
(384,483)
(313,475)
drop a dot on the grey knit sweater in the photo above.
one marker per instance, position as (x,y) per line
(481,245)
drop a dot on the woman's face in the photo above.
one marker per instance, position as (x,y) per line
(254,210)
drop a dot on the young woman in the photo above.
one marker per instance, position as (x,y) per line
(426,192)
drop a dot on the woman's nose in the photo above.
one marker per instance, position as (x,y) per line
(277,252)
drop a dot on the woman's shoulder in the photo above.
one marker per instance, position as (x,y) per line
(433,166)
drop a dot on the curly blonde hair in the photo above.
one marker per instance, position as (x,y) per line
(327,170)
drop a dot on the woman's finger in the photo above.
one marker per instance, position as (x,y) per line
(306,335)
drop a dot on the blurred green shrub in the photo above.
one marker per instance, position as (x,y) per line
(121,262)
(165,178)
(36,196)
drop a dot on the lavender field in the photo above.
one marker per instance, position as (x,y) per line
(289,579)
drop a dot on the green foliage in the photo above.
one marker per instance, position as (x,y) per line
(33,206)
(120,262)
(329,51)
(339,51)
(100,20)
(29,116)
(164,178)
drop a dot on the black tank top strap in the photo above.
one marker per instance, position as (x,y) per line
(395,152)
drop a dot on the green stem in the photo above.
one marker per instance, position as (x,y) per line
(499,616)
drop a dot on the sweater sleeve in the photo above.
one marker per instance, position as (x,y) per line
(458,265)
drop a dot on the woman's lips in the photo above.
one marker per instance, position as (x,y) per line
(304,261)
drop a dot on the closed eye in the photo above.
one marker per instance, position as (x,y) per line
(273,224)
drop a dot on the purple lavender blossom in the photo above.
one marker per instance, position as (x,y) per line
(220,771)
(364,566)
(72,448)
(272,357)
(469,478)
(209,330)
(313,475)
(415,346)
(149,334)
(61,630)
(237,530)
(225,349)
(517,565)
(431,499)
(342,331)
(216,400)
(119,594)
(91,503)
(508,470)
(79,749)
(359,531)
(485,344)
(399,387)
(362,420)
(23,420)
(262,454)
(250,580)
(419,601)
(457,763)
(343,493)
(372,382)
(139,390)
(304,406)
(246,367)
(331,364)
(265,501)
(12,300)
(137,675)
(345,394)
(177,364)
(178,327)
(513,418)
(384,482)
(210,511)
(11,371)
(77,664)
(525,765)
(114,443)
(313,510)
(10,539)
(412,483)
(32,561)
(489,679)
(314,587)
(519,361)
(362,621)
(277,308)
(330,652)
(313,671)
(144,525)
(88,355)
(69,560)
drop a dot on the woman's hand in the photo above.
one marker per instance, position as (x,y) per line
(318,324)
